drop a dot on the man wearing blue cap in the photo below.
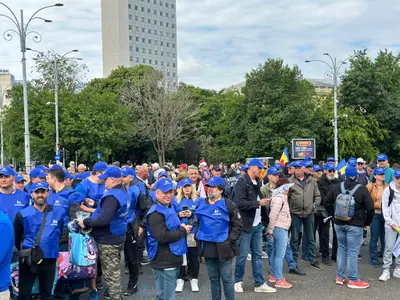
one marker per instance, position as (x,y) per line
(36,175)
(42,262)
(12,200)
(166,240)
(383,162)
(317,172)
(109,223)
(247,197)
(303,196)
(19,182)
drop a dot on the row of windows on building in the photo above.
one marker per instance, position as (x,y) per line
(155,42)
(155,32)
(151,62)
(167,5)
(156,22)
(155,52)
(160,12)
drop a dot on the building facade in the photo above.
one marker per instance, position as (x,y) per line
(140,32)
(6,82)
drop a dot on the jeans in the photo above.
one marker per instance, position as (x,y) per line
(390,240)
(250,241)
(220,271)
(280,237)
(165,283)
(377,232)
(288,254)
(348,237)
(308,244)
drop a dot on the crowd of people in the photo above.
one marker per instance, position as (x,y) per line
(180,217)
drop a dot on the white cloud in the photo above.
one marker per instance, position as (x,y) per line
(219,41)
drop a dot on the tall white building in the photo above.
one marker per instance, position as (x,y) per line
(139,32)
(6,82)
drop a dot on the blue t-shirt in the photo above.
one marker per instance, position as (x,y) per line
(6,251)
(11,204)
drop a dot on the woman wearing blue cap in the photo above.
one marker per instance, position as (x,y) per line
(219,227)
(185,204)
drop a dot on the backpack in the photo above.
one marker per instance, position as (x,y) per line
(391,197)
(345,204)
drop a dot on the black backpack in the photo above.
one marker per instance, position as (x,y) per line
(391,196)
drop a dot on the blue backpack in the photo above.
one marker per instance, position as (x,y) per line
(345,204)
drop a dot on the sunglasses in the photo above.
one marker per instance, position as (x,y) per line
(331,171)
(360,163)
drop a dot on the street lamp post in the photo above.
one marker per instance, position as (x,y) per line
(333,73)
(21,29)
(55,61)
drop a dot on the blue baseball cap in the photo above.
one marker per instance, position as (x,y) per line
(307,158)
(100,166)
(42,167)
(379,171)
(127,172)
(39,186)
(19,178)
(80,176)
(255,162)
(216,181)
(184,182)
(7,171)
(111,172)
(164,185)
(352,162)
(351,171)
(308,164)
(272,171)
(55,167)
(329,166)
(381,157)
(299,164)
(331,159)
(67,175)
(291,165)
(278,166)
(245,167)
(163,173)
(396,173)
(317,168)
(37,173)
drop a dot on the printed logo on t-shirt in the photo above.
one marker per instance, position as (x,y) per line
(216,212)
(18,203)
(54,223)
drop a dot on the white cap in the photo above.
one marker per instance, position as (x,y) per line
(360,160)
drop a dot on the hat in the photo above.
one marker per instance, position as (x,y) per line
(278,166)
(184,182)
(37,173)
(317,168)
(161,174)
(396,173)
(329,166)
(128,172)
(360,160)
(379,171)
(352,162)
(164,185)
(19,178)
(42,167)
(308,163)
(39,186)
(216,181)
(245,167)
(55,167)
(203,163)
(307,158)
(67,175)
(381,157)
(291,165)
(183,166)
(80,176)
(255,162)
(7,171)
(217,168)
(351,171)
(331,159)
(111,172)
(100,166)
(299,164)
(272,171)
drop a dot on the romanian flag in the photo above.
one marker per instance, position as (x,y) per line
(341,167)
(284,158)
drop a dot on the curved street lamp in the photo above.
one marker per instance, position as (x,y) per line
(22,30)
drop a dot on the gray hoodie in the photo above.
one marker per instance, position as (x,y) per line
(391,213)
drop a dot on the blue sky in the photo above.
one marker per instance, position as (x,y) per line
(219,41)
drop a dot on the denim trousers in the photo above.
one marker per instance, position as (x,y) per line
(250,241)
(377,233)
(165,283)
(308,243)
(280,238)
(348,237)
(220,271)
(288,254)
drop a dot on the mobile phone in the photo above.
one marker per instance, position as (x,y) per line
(185,208)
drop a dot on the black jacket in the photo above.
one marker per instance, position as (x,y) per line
(245,198)
(324,186)
(364,211)
(229,248)
(164,257)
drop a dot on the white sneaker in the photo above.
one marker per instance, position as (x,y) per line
(264,288)
(248,256)
(239,287)
(179,286)
(264,255)
(396,273)
(385,275)
(194,284)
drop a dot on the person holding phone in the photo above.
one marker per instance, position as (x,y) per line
(185,204)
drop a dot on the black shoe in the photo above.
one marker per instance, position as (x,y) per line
(325,261)
(144,261)
(297,271)
(131,290)
(316,265)
(333,258)
(380,254)
(107,294)
(99,285)
(359,256)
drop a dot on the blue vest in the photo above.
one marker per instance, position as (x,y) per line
(119,221)
(153,196)
(134,193)
(93,191)
(213,221)
(192,206)
(7,245)
(32,218)
(173,223)
(11,204)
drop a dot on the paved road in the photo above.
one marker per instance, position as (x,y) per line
(316,285)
